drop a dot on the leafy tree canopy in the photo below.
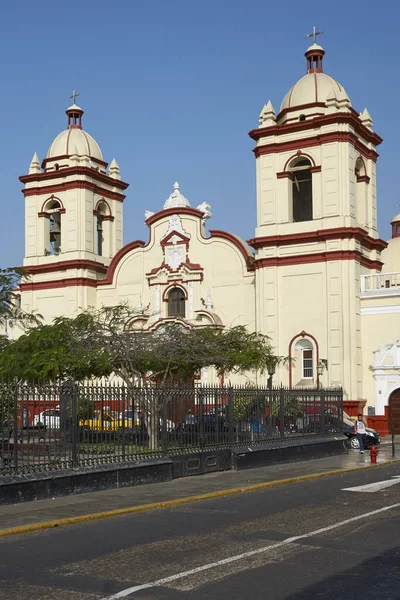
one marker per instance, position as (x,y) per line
(98,343)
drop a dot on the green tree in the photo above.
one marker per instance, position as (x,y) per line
(11,312)
(98,343)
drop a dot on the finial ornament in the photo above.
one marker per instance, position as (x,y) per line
(314,34)
(176,199)
(75,94)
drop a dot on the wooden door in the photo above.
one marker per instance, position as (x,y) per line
(394,411)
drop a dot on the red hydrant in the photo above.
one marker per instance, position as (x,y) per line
(373,454)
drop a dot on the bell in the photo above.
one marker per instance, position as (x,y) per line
(55,236)
(55,228)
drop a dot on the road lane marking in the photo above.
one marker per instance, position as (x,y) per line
(374,487)
(225,561)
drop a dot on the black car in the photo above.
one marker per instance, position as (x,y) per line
(372,436)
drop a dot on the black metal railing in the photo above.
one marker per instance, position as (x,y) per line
(69,425)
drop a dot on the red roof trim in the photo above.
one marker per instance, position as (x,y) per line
(178,210)
(119,256)
(217,233)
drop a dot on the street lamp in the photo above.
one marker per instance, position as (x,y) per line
(271,373)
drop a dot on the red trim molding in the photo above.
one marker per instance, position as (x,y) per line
(56,199)
(170,287)
(317,257)
(321,235)
(189,266)
(89,172)
(59,283)
(363,178)
(72,185)
(350,118)
(66,265)
(116,259)
(285,175)
(179,210)
(318,140)
(297,155)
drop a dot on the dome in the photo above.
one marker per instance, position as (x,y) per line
(74,141)
(396,219)
(313,87)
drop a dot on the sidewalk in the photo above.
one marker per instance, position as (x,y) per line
(41,511)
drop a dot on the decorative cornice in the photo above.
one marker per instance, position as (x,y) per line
(350,118)
(189,266)
(58,283)
(73,185)
(321,235)
(66,156)
(70,171)
(318,257)
(317,140)
(66,265)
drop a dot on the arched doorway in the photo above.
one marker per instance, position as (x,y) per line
(394,411)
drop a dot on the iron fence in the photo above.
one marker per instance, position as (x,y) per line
(70,425)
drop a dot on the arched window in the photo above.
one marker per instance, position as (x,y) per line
(176,303)
(101,240)
(361,193)
(302,189)
(53,233)
(305,350)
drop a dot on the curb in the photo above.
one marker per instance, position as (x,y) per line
(171,503)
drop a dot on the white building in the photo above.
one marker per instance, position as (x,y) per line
(320,282)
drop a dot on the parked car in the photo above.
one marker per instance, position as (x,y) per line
(372,438)
(137,416)
(49,419)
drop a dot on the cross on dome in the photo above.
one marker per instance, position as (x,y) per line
(314,34)
(75,94)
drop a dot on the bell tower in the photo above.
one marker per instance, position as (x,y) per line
(316,227)
(73,211)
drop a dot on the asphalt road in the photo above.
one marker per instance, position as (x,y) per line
(301,541)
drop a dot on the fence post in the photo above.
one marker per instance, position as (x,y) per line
(164,422)
(282,411)
(269,428)
(15,426)
(74,437)
(322,411)
(123,406)
(230,415)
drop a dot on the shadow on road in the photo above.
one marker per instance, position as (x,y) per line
(377,577)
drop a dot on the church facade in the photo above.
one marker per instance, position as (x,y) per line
(316,278)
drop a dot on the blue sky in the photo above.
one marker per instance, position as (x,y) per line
(171,88)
